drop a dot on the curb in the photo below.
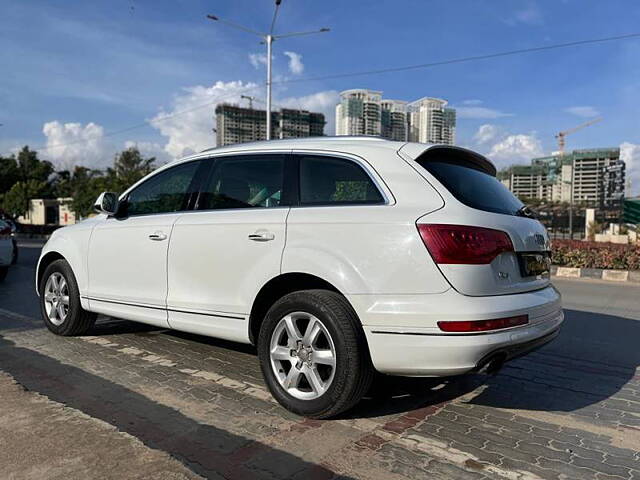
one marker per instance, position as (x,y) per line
(597,273)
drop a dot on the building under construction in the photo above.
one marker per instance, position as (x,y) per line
(236,124)
(594,177)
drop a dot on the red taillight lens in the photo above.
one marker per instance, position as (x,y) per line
(482,325)
(462,244)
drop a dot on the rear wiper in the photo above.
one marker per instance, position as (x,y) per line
(525,211)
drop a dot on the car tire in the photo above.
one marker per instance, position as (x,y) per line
(318,390)
(3,273)
(73,320)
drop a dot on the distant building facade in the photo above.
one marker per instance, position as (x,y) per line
(430,121)
(49,211)
(236,124)
(365,112)
(359,112)
(595,177)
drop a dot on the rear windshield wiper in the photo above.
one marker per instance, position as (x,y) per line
(525,211)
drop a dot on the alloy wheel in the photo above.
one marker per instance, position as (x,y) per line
(303,355)
(56,298)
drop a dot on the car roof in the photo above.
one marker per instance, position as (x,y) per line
(343,143)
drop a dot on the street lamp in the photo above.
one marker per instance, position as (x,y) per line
(267,38)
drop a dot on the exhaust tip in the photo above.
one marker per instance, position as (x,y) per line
(494,364)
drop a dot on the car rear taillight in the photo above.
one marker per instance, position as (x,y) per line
(5,233)
(463,244)
(482,325)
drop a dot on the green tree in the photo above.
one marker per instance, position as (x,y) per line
(30,167)
(15,202)
(8,173)
(129,166)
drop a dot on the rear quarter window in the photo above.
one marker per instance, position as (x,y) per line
(472,185)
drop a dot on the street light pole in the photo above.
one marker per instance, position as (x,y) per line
(267,38)
(269,41)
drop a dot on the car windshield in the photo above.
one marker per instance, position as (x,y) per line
(473,186)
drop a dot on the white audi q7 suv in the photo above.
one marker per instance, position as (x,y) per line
(335,256)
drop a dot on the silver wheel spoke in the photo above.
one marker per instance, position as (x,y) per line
(292,379)
(62,284)
(313,377)
(325,357)
(292,330)
(49,297)
(65,299)
(60,310)
(281,353)
(312,332)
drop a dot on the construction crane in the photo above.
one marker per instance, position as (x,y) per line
(561,135)
(251,99)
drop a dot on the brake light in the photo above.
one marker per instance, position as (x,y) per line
(483,325)
(461,244)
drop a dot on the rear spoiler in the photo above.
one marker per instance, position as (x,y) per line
(423,151)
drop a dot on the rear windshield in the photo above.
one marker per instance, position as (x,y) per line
(473,186)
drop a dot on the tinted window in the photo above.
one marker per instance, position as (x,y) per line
(164,192)
(473,187)
(326,180)
(244,182)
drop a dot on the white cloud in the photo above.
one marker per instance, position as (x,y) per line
(630,153)
(322,102)
(257,59)
(72,144)
(486,133)
(472,101)
(516,148)
(583,111)
(188,125)
(477,112)
(529,15)
(295,63)
(150,149)
(192,130)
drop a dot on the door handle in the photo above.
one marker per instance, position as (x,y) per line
(158,236)
(261,236)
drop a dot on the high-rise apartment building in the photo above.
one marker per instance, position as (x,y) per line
(430,121)
(236,124)
(365,112)
(592,176)
(359,112)
(393,120)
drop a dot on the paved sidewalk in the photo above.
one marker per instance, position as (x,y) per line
(44,439)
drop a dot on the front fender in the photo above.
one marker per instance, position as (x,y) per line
(72,244)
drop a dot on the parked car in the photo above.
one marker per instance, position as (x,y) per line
(6,249)
(336,257)
(14,241)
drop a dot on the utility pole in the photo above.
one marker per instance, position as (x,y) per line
(267,39)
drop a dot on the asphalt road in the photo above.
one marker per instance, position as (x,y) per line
(569,410)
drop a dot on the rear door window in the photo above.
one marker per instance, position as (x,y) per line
(473,186)
(244,181)
(335,181)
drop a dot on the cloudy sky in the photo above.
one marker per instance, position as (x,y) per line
(81,80)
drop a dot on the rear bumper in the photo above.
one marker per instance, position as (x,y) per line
(413,350)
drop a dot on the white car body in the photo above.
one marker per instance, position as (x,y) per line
(205,276)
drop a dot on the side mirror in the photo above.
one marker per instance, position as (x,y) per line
(107,202)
